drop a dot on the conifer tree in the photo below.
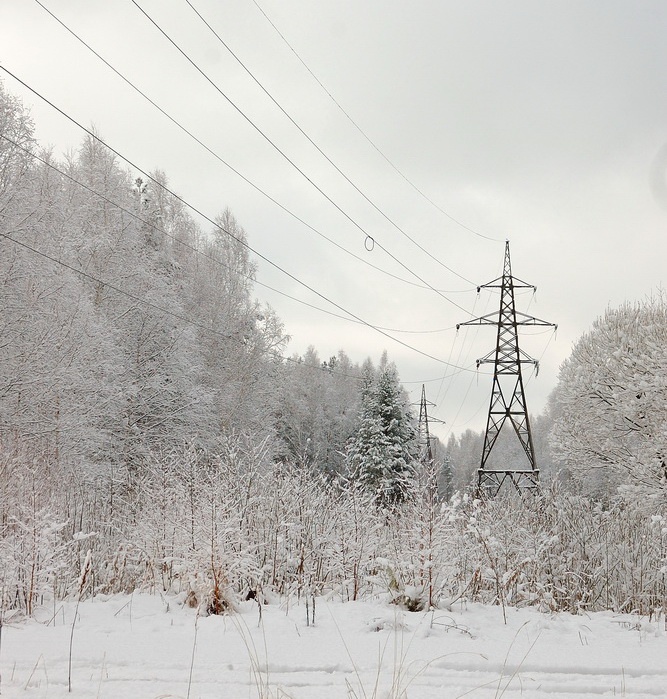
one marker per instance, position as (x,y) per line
(383,455)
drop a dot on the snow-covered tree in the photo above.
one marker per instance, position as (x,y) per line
(16,145)
(383,455)
(463,453)
(317,410)
(611,401)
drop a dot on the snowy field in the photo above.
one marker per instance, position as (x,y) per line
(151,647)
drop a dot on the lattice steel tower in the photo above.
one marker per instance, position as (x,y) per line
(426,453)
(508,401)
(423,432)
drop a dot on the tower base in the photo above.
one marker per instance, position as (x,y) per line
(490,482)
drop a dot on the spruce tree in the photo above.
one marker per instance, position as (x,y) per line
(383,454)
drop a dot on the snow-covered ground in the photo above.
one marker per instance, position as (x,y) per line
(152,647)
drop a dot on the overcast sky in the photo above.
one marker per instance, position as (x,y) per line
(544,123)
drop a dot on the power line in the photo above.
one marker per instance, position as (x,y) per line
(231,167)
(199,252)
(288,159)
(458,357)
(319,150)
(370,141)
(219,227)
(165,233)
(451,376)
(143,302)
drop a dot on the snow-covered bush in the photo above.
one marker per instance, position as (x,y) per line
(37,547)
(223,526)
(562,552)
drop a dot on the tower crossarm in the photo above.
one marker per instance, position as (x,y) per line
(498,284)
(510,359)
(490,319)
(521,319)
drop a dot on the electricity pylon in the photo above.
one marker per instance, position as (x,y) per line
(508,401)
(430,473)
(426,452)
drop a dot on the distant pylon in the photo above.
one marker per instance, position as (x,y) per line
(426,452)
(430,473)
(508,401)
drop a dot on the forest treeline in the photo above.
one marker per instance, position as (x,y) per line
(126,328)
(152,427)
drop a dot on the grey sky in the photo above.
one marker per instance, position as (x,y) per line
(541,122)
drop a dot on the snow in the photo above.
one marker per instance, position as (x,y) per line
(151,646)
